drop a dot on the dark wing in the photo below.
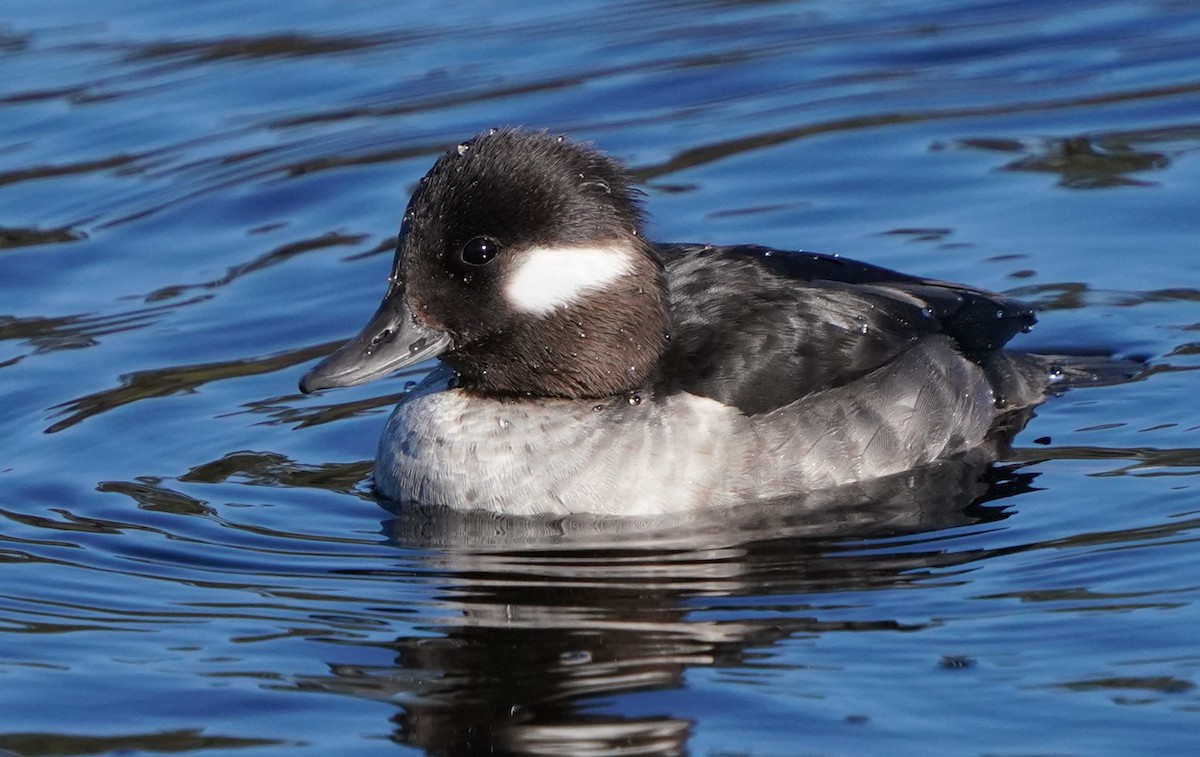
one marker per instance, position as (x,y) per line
(760,328)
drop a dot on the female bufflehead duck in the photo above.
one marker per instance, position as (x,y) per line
(588,369)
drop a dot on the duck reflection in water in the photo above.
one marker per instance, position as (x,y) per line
(543,618)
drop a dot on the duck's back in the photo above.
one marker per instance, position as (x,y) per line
(760,329)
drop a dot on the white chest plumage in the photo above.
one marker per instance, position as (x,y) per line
(623,455)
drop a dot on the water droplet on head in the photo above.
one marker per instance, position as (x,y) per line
(409,386)
(503,423)
(635,399)
(863,329)
(492,131)
(462,148)
(583,335)
(927,311)
(559,139)
(1055,374)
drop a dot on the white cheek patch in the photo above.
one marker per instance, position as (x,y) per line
(550,277)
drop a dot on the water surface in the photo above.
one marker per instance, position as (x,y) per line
(197,200)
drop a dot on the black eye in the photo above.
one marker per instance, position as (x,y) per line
(480,251)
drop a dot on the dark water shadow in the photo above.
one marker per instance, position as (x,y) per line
(721,150)
(163,382)
(12,238)
(29,744)
(46,334)
(1096,161)
(536,621)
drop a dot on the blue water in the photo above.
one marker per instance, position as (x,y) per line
(197,201)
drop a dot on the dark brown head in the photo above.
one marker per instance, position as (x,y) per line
(521,263)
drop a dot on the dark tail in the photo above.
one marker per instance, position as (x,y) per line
(1023,379)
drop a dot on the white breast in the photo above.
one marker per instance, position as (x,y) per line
(557,456)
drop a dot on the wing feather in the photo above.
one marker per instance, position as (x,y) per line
(759,328)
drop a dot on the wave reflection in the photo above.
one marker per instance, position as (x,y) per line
(537,622)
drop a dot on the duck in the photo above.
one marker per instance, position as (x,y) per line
(583,368)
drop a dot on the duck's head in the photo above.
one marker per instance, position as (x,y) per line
(521,263)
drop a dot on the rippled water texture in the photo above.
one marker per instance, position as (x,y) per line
(197,200)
